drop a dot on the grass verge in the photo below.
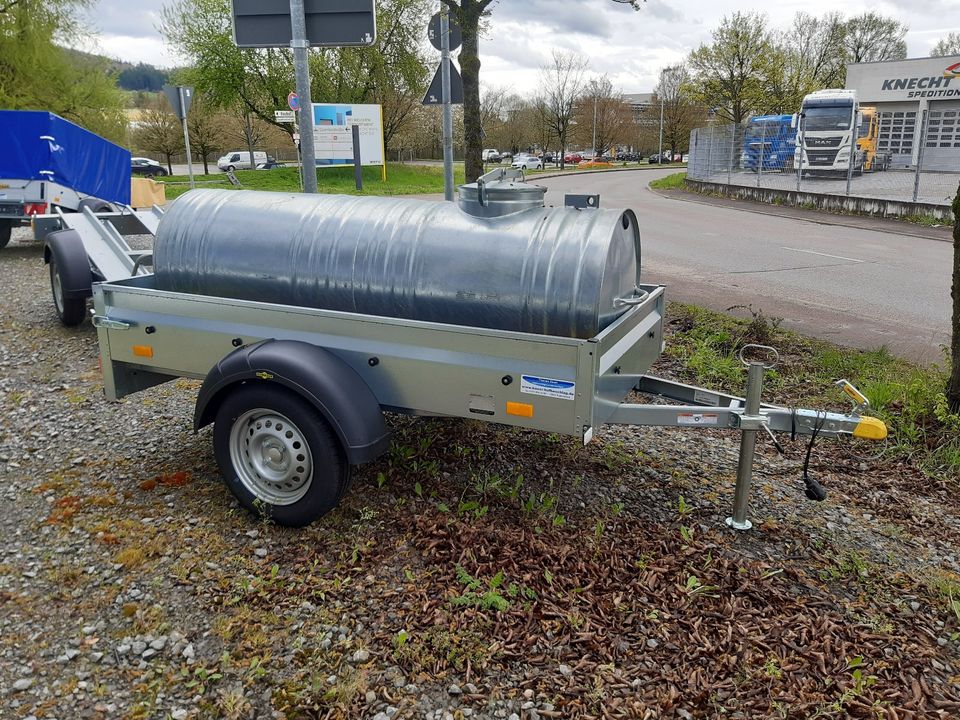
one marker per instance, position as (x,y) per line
(669,182)
(401,180)
(909,398)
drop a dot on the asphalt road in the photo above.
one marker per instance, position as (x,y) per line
(856,287)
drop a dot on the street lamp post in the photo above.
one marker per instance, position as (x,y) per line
(594,148)
(660,152)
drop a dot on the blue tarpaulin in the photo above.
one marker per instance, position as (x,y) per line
(43,146)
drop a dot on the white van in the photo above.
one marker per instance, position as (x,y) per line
(240,160)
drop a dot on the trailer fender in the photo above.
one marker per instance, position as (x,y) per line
(66,248)
(317,375)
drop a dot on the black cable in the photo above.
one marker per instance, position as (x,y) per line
(814,490)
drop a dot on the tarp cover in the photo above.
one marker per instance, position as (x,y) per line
(42,146)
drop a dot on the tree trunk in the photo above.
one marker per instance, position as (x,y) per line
(206,168)
(470,70)
(953,387)
(169,164)
(248,130)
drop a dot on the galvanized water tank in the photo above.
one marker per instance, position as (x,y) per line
(511,265)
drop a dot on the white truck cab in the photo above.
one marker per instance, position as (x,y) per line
(826,135)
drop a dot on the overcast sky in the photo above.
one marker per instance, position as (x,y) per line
(629,46)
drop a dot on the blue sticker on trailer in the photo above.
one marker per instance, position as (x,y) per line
(548,387)
(43,146)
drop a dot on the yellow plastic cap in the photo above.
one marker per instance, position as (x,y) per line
(870,428)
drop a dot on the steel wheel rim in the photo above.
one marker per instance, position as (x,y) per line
(271,457)
(57,287)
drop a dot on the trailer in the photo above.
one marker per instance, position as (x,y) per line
(49,165)
(297,395)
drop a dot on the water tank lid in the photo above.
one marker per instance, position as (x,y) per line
(501,190)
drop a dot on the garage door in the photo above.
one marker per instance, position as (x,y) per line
(941,146)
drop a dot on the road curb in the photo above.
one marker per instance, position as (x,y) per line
(895,226)
(597,172)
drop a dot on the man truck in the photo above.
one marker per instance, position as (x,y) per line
(769,143)
(828,126)
(48,163)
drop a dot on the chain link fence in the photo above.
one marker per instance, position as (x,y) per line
(905,156)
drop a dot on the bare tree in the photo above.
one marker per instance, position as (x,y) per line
(160,131)
(871,37)
(815,49)
(562,82)
(680,112)
(602,117)
(949,45)
(207,132)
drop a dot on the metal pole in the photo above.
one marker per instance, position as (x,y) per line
(357,167)
(186,139)
(733,150)
(922,137)
(853,145)
(763,150)
(803,145)
(748,444)
(299,43)
(447,107)
(660,150)
(594,148)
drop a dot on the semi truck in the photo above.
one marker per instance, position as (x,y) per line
(49,164)
(828,126)
(769,143)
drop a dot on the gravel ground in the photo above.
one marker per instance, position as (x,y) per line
(474,571)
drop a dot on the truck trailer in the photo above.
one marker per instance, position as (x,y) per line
(49,164)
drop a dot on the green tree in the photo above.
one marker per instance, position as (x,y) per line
(871,37)
(953,387)
(949,45)
(36,73)
(562,82)
(726,73)
(680,112)
(257,81)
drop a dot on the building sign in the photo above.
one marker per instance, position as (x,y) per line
(333,133)
(927,78)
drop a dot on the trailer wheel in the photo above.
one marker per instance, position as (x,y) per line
(71,311)
(6,230)
(278,455)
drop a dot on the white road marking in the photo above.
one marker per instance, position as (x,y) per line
(813,252)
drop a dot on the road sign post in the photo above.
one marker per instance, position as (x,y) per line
(180,98)
(447,107)
(275,23)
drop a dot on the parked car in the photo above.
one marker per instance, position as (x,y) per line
(491,155)
(240,160)
(147,167)
(573,158)
(270,164)
(685,158)
(548,157)
(660,159)
(527,162)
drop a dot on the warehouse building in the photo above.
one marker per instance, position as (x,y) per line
(918,98)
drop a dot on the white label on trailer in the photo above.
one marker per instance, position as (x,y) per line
(548,387)
(705,397)
(696,419)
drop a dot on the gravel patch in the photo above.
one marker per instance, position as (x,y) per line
(473,571)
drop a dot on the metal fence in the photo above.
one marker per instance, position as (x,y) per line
(915,159)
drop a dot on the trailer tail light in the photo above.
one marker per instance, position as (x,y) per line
(143,351)
(34,208)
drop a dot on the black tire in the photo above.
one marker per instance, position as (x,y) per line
(95,205)
(230,168)
(71,311)
(329,472)
(6,230)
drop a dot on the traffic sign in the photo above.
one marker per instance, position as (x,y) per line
(433,33)
(293,100)
(434,94)
(284,116)
(330,23)
(180,98)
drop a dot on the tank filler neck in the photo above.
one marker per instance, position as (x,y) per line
(502,191)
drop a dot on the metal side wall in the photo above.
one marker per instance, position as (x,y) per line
(534,381)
